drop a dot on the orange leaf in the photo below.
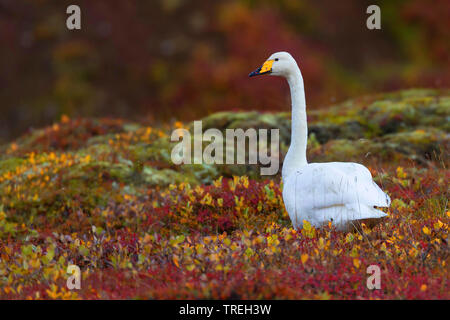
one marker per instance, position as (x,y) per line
(175,261)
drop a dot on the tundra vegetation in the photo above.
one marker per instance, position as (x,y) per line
(103,194)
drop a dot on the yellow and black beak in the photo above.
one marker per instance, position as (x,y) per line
(265,68)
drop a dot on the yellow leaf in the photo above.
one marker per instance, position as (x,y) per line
(306,225)
(423,287)
(304,258)
(356,263)
(438,224)
(190,267)
(426,230)
(400,173)
(207,199)
(244,180)
(35,263)
(321,244)
(218,183)
(413,252)
(259,207)
(349,237)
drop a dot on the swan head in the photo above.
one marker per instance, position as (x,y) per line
(278,64)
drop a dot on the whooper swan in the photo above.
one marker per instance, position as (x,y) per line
(341,192)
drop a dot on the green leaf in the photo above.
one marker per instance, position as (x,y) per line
(83,250)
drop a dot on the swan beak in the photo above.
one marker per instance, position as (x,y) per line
(265,68)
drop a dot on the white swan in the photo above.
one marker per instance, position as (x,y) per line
(341,192)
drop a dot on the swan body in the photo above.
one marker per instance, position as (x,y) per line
(340,192)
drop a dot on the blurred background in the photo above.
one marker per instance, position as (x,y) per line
(182,59)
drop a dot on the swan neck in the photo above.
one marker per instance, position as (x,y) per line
(296,156)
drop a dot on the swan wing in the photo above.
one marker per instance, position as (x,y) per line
(337,191)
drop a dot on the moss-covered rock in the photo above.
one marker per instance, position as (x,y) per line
(59,163)
(382,114)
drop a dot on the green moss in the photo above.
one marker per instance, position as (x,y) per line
(393,112)
(164,177)
(10,164)
(412,124)
(124,160)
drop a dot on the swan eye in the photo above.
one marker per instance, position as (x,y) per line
(276,59)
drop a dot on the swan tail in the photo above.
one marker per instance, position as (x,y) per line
(381,199)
